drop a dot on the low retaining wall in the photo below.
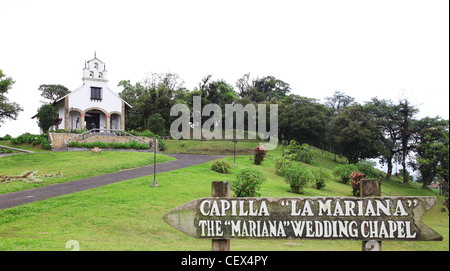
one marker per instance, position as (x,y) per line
(107,149)
(57,140)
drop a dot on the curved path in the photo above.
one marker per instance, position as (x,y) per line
(19,151)
(9,200)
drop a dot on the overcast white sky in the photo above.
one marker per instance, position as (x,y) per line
(390,49)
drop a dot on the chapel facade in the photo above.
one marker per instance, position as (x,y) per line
(93,105)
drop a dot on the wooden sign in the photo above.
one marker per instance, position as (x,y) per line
(368,218)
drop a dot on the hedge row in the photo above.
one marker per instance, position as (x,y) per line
(33,139)
(130,145)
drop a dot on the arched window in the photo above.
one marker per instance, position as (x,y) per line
(100,75)
(96,65)
(91,74)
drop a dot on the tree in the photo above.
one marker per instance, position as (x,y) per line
(210,92)
(355,135)
(53,92)
(431,147)
(242,84)
(47,117)
(302,119)
(338,102)
(216,92)
(8,110)
(335,104)
(385,115)
(156,124)
(155,95)
(132,94)
(407,112)
(262,89)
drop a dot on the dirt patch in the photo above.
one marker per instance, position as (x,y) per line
(28,176)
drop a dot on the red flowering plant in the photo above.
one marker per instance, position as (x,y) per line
(260,153)
(355,181)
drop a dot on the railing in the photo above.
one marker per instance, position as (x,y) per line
(103,132)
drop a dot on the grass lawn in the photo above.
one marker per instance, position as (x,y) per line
(24,146)
(210,147)
(3,150)
(72,165)
(128,215)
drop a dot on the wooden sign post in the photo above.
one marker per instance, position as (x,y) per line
(369,188)
(221,218)
(221,189)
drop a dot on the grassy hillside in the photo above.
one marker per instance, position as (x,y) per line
(128,215)
(23,146)
(210,146)
(67,166)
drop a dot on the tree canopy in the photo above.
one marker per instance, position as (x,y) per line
(8,109)
(378,128)
(53,92)
(47,117)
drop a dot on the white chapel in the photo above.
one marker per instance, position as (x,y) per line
(93,105)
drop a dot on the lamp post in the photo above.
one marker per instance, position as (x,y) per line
(155,184)
(234,141)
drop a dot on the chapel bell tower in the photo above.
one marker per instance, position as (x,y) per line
(94,70)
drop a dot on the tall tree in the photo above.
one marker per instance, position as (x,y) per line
(8,110)
(407,112)
(216,92)
(356,136)
(431,148)
(155,95)
(47,117)
(156,124)
(53,92)
(302,119)
(243,85)
(385,116)
(133,94)
(338,102)
(335,104)
(213,92)
(262,89)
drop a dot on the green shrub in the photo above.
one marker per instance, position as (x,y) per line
(220,166)
(6,150)
(7,137)
(321,177)
(368,168)
(71,131)
(302,153)
(156,123)
(297,176)
(136,145)
(280,163)
(342,172)
(23,138)
(147,133)
(28,138)
(130,145)
(45,144)
(247,183)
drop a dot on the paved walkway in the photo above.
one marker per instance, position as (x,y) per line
(19,151)
(9,200)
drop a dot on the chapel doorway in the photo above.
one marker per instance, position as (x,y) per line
(92,120)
